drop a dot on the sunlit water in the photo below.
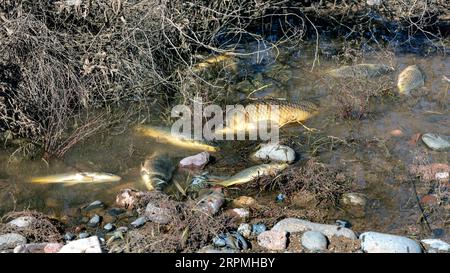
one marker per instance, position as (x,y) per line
(379,167)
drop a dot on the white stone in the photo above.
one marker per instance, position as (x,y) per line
(292,225)
(245,230)
(87,245)
(314,241)
(437,244)
(375,242)
(22,222)
(11,240)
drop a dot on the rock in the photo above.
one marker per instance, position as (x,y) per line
(314,241)
(83,235)
(86,245)
(280,197)
(343,223)
(129,198)
(195,161)
(353,198)
(232,240)
(258,228)
(22,222)
(292,225)
(429,199)
(436,142)
(275,152)
(69,236)
(396,133)
(436,244)
(139,222)
(94,221)
(11,240)
(212,201)
(409,79)
(108,227)
(273,240)
(238,212)
(157,214)
(94,205)
(244,202)
(375,242)
(38,248)
(212,249)
(245,230)
(115,211)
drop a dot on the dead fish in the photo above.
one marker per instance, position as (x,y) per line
(156,172)
(252,173)
(226,59)
(165,136)
(360,71)
(410,78)
(77,178)
(211,201)
(261,110)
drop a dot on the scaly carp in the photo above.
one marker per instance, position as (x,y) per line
(287,112)
(360,71)
(76,178)
(165,136)
(252,173)
(410,78)
(227,59)
(156,172)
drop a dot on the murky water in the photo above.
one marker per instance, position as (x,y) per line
(377,160)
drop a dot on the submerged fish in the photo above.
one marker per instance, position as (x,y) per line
(252,173)
(410,78)
(360,71)
(288,112)
(156,172)
(226,58)
(76,178)
(165,136)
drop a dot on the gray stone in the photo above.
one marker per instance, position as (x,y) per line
(22,222)
(273,240)
(314,241)
(292,225)
(69,236)
(156,214)
(38,248)
(436,244)
(375,242)
(139,222)
(86,245)
(436,142)
(94,221)
(11,240)
(83,235)
(108,227)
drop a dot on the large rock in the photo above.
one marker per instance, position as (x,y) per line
(314,241)
(87,245)
(275,152)
(436,142)
(375,242)
(292,225)
(11,240)
(273,240)
(22,222)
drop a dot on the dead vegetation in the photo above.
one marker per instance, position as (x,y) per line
(41,228)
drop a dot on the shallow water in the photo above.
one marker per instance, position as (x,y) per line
(377,160)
